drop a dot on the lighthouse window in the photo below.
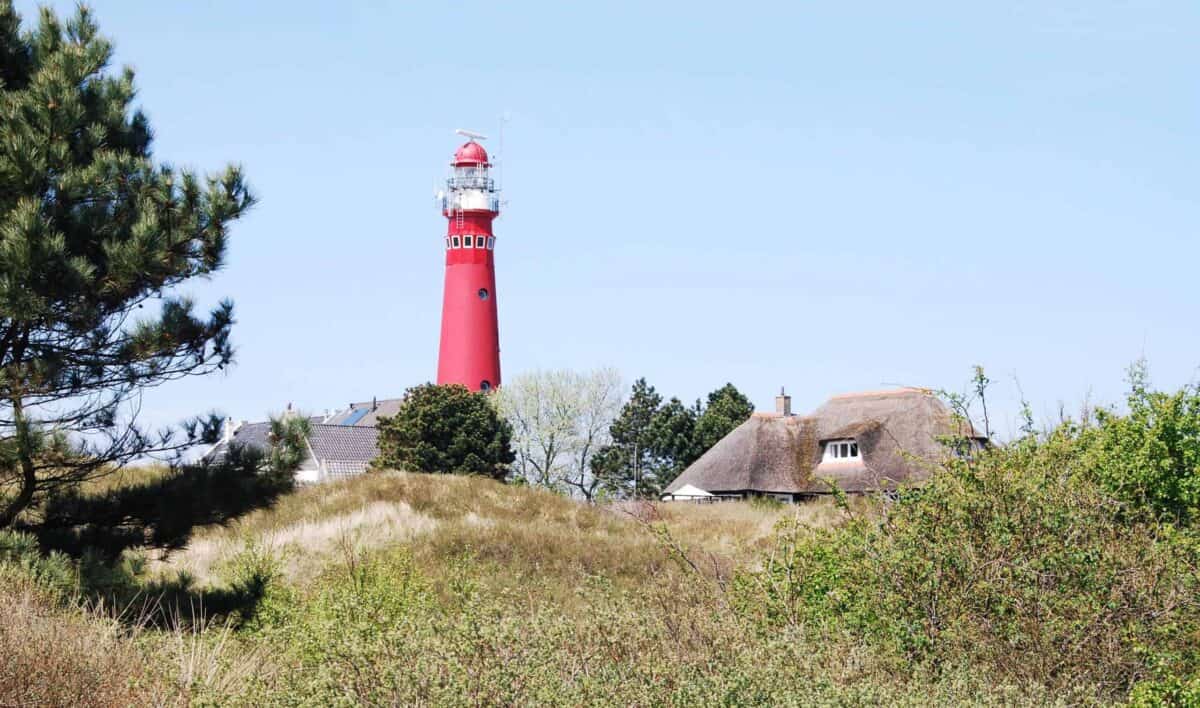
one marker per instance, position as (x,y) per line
(485,385)
(483,293)
(478,242)
(454,239)
(447,242)
(491,242)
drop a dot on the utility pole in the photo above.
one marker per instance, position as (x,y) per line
(636,470)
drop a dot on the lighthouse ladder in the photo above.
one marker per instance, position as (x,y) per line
(459,218)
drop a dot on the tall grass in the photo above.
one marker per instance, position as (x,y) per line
(412,589)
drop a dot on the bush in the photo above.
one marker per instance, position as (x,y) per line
(446,429)
(21,555)
(1013,563)
(1150,458)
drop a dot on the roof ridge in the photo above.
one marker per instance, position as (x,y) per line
(901,391)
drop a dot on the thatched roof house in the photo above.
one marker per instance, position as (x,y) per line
(859,442)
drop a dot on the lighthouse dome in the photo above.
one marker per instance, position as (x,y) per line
(472,153)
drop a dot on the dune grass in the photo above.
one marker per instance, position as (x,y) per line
(409,589)
(512,530)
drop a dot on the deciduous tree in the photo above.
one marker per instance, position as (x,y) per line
(560,420)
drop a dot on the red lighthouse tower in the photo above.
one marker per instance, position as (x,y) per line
(470,346)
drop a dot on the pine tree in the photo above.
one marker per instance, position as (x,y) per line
(446,429)
(653,442)
(94,239)
(627,466)
(673,440)
(727,409)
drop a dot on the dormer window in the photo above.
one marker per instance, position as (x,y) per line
(840,451)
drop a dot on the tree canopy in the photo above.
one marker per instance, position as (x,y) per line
(726,409)
(560,420)
(446,429)
(653,441)
(95,237)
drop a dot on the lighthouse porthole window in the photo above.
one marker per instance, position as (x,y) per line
(454,240)
(484,294)
(485,385)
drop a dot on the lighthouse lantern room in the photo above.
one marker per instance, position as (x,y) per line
(470,343)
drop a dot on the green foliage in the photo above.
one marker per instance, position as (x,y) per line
(726,409)
(1172,692)
(653,441)
(446,429)
(1150,457)
(673,440)
(1012,553)
(289,442)
(94,239)
(627,466)
(19,552)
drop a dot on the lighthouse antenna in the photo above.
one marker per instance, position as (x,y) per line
(470,134)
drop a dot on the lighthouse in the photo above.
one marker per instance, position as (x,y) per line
(470,345)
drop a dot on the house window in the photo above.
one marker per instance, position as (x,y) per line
(491,242)
(454,240)
(841,450)
(478,242)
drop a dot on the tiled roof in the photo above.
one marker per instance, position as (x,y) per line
(344,443)
(384,407)
(332,443)
(254,435)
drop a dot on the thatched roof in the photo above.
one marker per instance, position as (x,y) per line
(897,432)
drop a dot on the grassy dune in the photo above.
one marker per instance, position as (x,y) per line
(411,589)
(513,530)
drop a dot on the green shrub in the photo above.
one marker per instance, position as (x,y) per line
(20,554)
(446,429)
(1150,457)
(1011,563)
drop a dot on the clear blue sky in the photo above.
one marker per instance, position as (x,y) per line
(830,196)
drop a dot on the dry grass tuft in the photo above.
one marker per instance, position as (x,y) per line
(306,544)
(52,656)
(522,534)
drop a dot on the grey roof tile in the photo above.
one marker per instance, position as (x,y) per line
(344,443)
